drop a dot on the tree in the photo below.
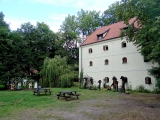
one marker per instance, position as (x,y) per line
(72,28)
(88,21)
(5,48)
(109,15)
(146,34)
(69,37)
(39,41)
(57,73)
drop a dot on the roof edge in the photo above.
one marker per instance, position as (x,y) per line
(99,41)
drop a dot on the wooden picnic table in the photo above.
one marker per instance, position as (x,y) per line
(67,94)
(42,91)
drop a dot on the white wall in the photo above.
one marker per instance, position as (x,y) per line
(135,69)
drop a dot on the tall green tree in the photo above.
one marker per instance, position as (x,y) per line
(75,26)
(109,16)
(57,73)
(146,34)
(24,50)
(6,49)
(69,38)
(39,41)
(88,21)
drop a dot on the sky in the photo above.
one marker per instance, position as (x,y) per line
(51,12)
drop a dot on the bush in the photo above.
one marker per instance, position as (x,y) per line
(147,91)
(140,88)
(156,90)
(75,84)
(93,88)
(1,86)
(128,87)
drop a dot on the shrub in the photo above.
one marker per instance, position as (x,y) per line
(128,87)
(75,84)
(1,86)
(93,87)
(156,90)
(140,88)
(147,91)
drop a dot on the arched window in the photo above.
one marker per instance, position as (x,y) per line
(90,50)
(148,80)
(124,44)
(90,63)
(105,47)
(124,60)
(106,62)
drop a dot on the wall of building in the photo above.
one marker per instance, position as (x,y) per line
(135,69)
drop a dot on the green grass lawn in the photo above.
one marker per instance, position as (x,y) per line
(11,102)
(93,104)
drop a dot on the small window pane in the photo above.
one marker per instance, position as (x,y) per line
(124,44)
(124,60)
(106,62)
(148,80)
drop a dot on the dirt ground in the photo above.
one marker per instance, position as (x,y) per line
(120,107)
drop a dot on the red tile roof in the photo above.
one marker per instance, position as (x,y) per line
(114,32)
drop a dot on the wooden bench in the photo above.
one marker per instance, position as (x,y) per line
(62,95)
(67,95)
(75,95)
(35,91)
(42,91)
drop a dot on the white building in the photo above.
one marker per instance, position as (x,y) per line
(105,54)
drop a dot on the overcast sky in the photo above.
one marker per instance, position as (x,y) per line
(51,12)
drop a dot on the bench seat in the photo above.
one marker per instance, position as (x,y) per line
(38,92)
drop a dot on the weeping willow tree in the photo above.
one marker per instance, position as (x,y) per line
(57,73)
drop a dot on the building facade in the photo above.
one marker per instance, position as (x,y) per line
(104,54)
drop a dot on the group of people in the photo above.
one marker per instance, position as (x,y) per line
(115,84)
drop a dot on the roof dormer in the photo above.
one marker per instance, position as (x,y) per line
(102,35)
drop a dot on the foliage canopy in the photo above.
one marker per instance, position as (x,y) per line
(146,37)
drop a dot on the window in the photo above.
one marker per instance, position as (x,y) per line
(124,60)
(148,80)
(90,63)
(90,50)
(100,36)
(105,47)
(124,44)
(106,62)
